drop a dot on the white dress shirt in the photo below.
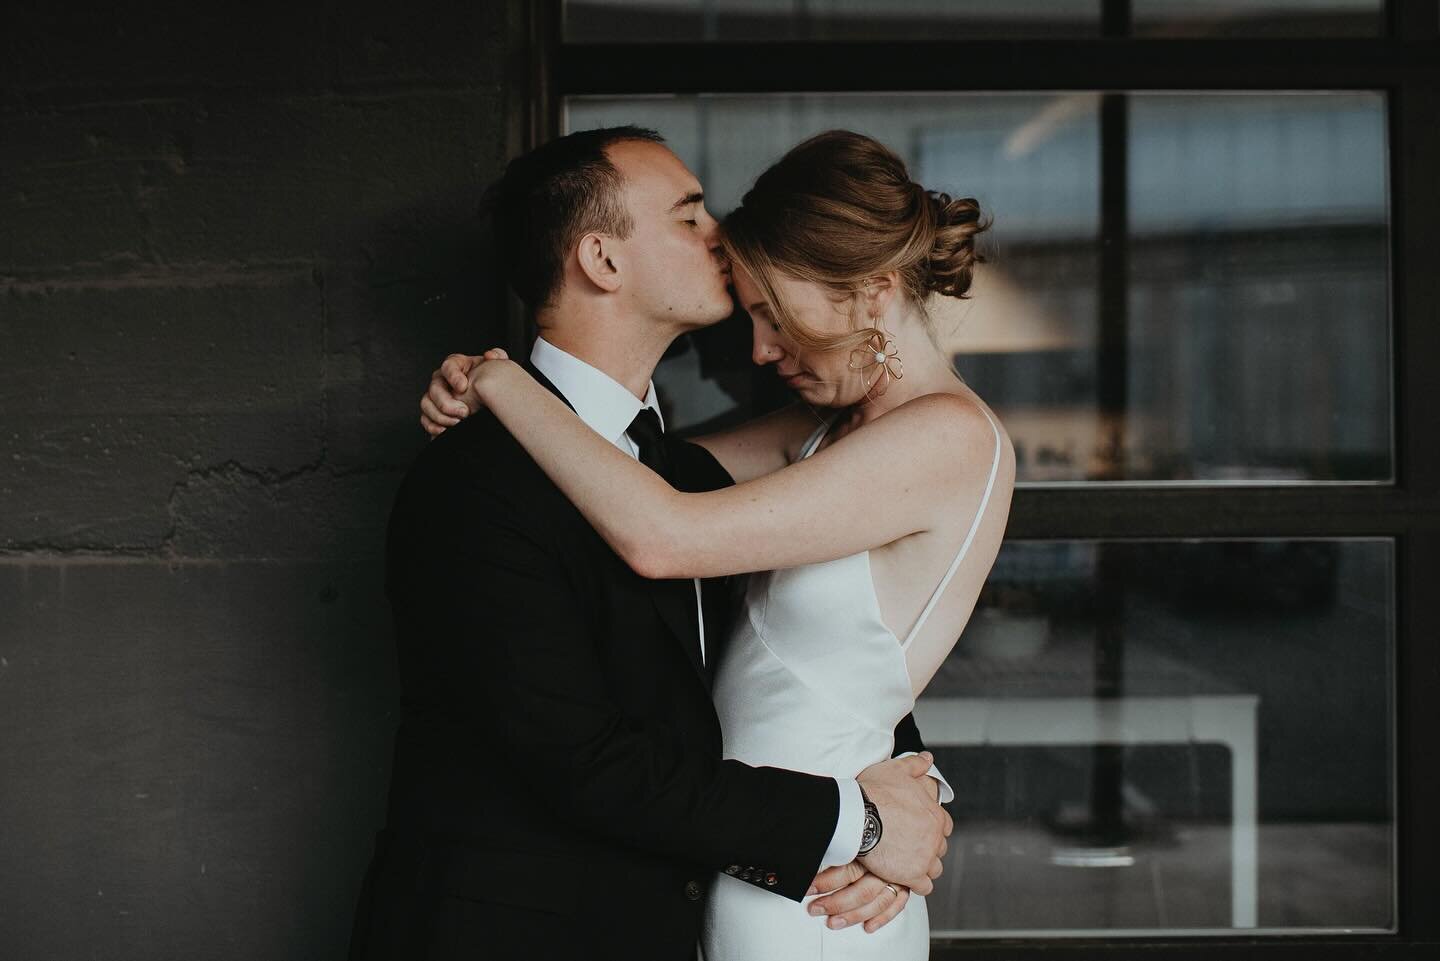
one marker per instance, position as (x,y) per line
(605,405)
(609,408)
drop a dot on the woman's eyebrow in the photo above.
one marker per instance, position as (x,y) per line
(695,197)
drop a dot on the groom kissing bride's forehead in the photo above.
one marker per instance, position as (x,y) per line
(563,785)
(612,221)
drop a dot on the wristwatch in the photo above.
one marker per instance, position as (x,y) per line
(873,826)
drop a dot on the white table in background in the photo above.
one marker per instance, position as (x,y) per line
(1201,718)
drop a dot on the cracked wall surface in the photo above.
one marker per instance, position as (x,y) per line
(232,247)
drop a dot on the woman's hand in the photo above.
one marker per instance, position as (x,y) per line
(853,896)
(452,394)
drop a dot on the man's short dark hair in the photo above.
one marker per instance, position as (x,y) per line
(551,197)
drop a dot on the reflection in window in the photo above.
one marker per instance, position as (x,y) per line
(690,21)
(1252,313)
(1171,737)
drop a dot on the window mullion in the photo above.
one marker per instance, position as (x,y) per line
(1126,511)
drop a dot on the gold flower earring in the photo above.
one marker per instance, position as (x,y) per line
(879,351)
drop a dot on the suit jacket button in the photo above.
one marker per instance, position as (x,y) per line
(732,870)
(772,879)
(692,890)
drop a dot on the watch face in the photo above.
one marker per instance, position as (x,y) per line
(871,835)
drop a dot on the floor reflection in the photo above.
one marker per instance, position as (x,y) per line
(1000,877)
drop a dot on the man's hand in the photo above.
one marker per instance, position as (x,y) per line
(451,396)
(915,827)
(852,895)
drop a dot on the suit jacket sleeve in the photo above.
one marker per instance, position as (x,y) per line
(907,737)
(544,689)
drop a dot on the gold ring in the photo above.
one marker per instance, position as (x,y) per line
(893,889)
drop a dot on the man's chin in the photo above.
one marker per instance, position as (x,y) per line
(713,316)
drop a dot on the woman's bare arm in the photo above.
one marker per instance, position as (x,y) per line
(757,447)
(898,476)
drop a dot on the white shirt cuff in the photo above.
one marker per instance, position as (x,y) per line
(848,826)
(947,794)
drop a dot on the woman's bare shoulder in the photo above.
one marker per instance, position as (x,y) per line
(947,437)
(949,420)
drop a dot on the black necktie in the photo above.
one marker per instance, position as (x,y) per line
(649,439)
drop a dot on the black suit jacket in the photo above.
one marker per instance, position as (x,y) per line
(558,788)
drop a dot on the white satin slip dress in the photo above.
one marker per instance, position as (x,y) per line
(812,680)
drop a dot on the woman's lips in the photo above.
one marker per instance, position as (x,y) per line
(792,379)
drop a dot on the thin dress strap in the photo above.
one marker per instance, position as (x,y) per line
(964,548)
(814,440)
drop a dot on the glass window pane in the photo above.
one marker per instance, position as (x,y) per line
(1258,297)
(1167,737)
(691,21)
(1250,298)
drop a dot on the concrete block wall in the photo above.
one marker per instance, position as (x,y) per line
(232,246)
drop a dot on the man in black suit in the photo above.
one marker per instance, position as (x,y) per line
(558,787)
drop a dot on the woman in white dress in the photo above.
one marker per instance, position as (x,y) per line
(869,536)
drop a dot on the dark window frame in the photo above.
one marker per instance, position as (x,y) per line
(1403,63)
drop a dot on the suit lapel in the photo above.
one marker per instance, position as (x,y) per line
(674,600)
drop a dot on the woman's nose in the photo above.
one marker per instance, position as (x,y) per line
(764,351)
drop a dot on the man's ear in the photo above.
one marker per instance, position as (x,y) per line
(599,259)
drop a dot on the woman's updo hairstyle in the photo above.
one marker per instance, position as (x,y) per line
(840,208)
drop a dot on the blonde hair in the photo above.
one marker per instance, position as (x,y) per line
(840,208)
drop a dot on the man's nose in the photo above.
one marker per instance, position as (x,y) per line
(712,235)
